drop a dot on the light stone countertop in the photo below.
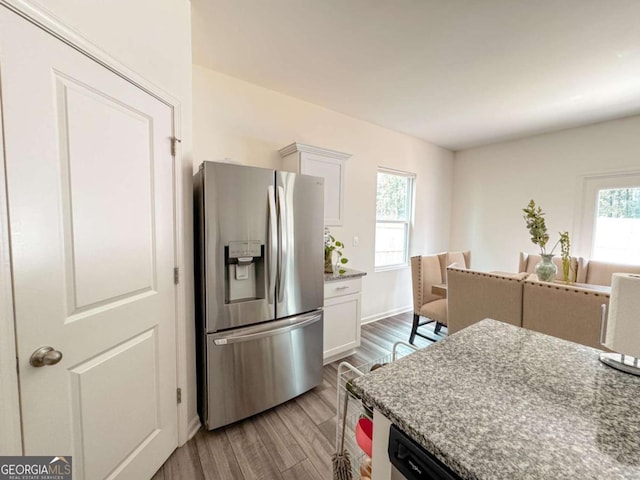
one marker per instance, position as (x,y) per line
(495,401)
(350,273)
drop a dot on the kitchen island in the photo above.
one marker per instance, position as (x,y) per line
(496,401)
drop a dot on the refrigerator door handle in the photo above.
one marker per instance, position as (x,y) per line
(262,331)
(273,244)
(284,244)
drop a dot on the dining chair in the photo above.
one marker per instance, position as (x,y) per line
(426,272)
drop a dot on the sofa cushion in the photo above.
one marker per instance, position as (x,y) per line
(436,310)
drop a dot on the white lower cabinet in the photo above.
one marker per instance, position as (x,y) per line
(341,317)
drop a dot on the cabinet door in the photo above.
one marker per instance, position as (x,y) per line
(332,170)
(341,324)
(325,163)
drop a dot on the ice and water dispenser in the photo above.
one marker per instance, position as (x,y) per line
(245,271)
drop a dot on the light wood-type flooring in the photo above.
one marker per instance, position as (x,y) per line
(292,441)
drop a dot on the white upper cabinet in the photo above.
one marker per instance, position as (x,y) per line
(325,163)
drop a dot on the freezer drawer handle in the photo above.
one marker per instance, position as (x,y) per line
(304,321)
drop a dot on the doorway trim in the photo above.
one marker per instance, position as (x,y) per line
(11,433)
(8,372)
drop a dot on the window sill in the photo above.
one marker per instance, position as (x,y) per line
(391,267)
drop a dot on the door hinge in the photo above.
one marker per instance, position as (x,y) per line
(174,146)
(179,395)
(176,275)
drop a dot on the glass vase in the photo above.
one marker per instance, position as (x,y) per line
(328,263)
(566,270)
(546,269)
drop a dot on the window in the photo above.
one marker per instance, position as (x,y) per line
(608,228)
(394,205)
(617,226)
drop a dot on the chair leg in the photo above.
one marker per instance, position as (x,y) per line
(414,328)
(437,328)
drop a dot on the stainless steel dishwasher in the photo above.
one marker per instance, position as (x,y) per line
(412,462)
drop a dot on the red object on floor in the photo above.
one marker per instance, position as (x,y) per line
(364,435)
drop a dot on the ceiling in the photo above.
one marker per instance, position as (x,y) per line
(458,73)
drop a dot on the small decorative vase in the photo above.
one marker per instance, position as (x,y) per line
(566,270)
(546,269)
(328,261)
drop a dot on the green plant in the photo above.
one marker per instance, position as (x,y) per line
(534,216)
(565,252)
(536,226)
(332,245)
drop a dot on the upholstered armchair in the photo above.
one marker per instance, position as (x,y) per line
(473,296)
(427,271)
(564,311)
(455,259)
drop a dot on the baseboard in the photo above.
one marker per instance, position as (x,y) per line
(194,426)
(337,356)
(389,313)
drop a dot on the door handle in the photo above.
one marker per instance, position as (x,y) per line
(262,331)
(283,235)
(273,243)
(45,356)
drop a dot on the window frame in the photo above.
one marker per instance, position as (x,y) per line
(588,205)
(411,177)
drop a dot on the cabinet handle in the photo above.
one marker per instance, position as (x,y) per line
(342,288)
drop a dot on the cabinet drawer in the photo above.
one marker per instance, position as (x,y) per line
(338,288)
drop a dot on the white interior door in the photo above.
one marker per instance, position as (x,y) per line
(90,193)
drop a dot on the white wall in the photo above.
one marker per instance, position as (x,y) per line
(152,38)
(249,124)
(493,183)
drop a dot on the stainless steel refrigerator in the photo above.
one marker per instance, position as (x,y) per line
(259,288)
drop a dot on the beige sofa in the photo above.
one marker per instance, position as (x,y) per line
(599,273)
(583,270)
(559,310)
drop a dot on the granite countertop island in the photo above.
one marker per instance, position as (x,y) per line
(496,401)
(348,274)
